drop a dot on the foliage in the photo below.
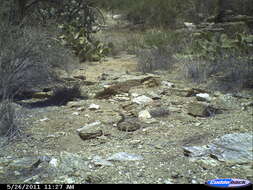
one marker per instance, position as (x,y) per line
(27,59)
(210,46)
(76,39)
(225,59)
(10,119)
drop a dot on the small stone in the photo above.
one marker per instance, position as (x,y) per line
(88,126)
(142,100)
(98,161)
(80,109)
(168,84)
(168,181)
(123,156)
(203,97)
(144,115)
(94,107)
(81,77)
(54,162)
(194,181)
(75,113)
(44,119)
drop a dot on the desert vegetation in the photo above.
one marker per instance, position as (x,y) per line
(36,39)
(124,74)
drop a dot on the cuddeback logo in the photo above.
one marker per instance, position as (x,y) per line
(228,183)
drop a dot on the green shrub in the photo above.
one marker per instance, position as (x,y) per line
(78,40)
(226,61)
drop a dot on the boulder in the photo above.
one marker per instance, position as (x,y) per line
(230,148)
(125,83)
(90,131)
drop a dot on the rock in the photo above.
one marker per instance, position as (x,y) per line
(196,151)
(70,162)
(41,95)
(103,76)
(75,113)
(168,181)
(54,163)
(23,163)
(76,104)
(201,109)
(98,161)
(86,127)
(185,92)
(123,156)
(106,92)
(190,26)
(154,96)
(44,119)
(168,84)
(124,84)
(93,179)
(151,83)
(235,148)
(33,178)
(144,115)
(56,135)
(81,77)
(90,131)
(203,97)
(117,17)
(121,97)
(142,100)
(94,107)
(159,112)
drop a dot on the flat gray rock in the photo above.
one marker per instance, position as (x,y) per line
(236,148)
(123,156)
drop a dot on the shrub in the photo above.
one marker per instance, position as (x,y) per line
(159,49)
(225,63)
(10,119)
(79,41)
(62,95)
(150,60)
(27,59)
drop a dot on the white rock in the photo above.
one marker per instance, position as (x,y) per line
(44,119)
(135,95)
(94,107)
(142,100)
(88,126)
(190,25)
(123,156)
(203,97)
(168,84)
(80,109)
(75,113)
(54,162)
(144,115)
(98,161)
(117,17)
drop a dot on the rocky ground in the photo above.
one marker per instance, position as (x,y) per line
(134,128)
